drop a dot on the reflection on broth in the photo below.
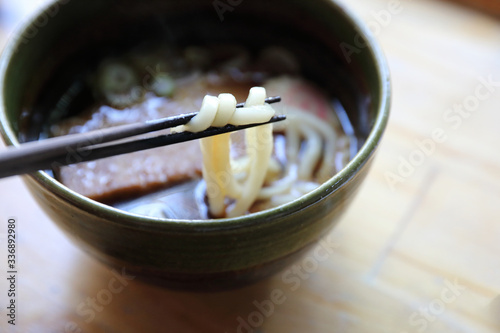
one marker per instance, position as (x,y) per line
(314,143)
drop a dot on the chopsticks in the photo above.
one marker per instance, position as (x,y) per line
(76,148)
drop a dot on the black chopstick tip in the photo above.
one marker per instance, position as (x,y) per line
(269,100)
(277,118)
(275,99)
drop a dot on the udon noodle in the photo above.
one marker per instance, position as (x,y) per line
(242,180)
(217,164)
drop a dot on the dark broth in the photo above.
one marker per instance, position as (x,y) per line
(70,92)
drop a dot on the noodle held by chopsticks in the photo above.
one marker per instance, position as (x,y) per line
(259,141)
(217,171)
(234,185)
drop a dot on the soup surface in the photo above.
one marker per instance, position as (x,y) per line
(151,82)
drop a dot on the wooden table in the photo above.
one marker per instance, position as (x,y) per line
(418,251)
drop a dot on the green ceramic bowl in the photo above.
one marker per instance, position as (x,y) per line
(335,50)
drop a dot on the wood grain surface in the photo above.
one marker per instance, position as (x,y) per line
(418,250)
(490,7)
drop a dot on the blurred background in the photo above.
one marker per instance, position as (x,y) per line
(416,252)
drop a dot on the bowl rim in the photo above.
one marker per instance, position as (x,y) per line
(126,219)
